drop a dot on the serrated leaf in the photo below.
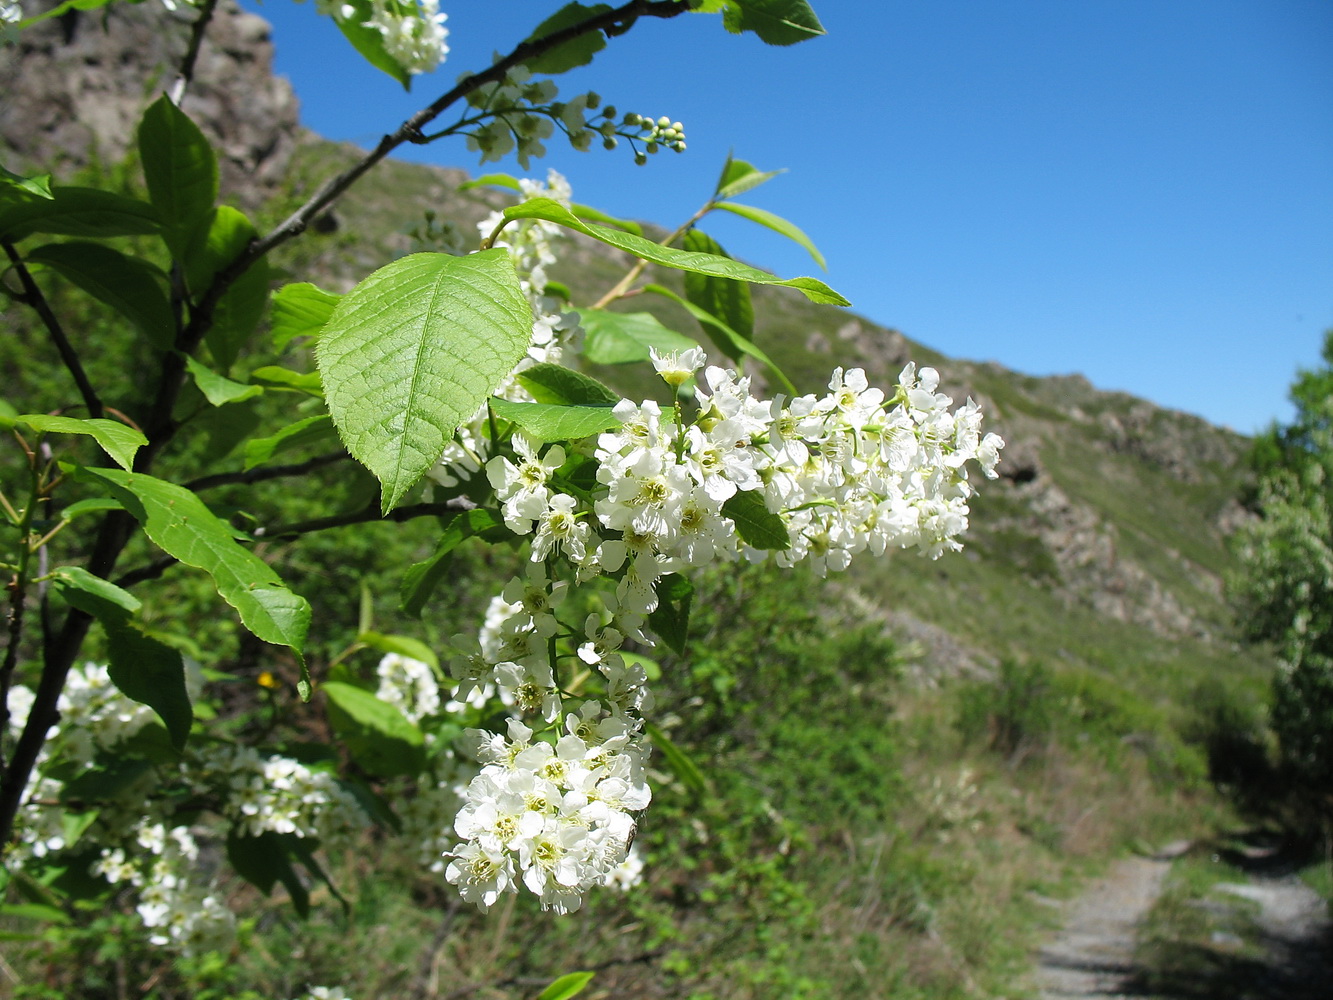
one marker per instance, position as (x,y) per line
(685,260)
(776,223)
(126,284)
(377,735)
(299,310)
(569,985)
(311,430)
(739,177)
(724,298)
(421,578)
(78,211)
(681,764)
(218,389)
(776,22)
(551,383)
(117,440)
(179,522)
(180,169)
(614,338)
(369,42)
(413,351)
(214,246)
(577,51)
(552,422)
(757,525)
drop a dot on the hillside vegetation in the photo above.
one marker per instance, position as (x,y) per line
(896,770)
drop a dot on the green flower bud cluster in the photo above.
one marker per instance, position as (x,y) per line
(655,134)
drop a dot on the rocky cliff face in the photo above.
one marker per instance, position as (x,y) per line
(73,89)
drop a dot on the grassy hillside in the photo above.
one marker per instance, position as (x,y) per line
(901,766)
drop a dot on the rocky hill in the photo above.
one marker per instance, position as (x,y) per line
(1103,540)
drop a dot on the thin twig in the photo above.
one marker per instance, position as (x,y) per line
(32,296)
(265,472)
(423,988)
(186,75)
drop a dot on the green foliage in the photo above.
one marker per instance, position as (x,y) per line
(412,351)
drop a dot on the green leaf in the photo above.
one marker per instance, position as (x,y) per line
(739,177)
(568,985)
(299,310)
(266,860)
(143,668)
(776,22)
(681,764)
(597,215)
(776,223)
(551,422)
(577,51)
(728,341)
(311,430)
(724,298)
(38,186)
(89,592)
(180,169)
(93,505)
(403,645)
(550,383)
(685,260)
(755,523)
(236,314)
(421,578)
(377,735)
(413,351)
(106,781)
(117,440)
(492,180)
(671,619)
(278,377)
(36,911)
(218,389)
(61,9)
(77,211)
(179,522)
(369,42)
(614,338)
(127,284)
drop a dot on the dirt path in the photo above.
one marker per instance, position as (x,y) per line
(1092,957)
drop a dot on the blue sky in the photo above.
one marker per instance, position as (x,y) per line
(1135,190)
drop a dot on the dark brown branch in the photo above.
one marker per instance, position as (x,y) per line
(32,296)
(197,30)
(367,514)
(265,472)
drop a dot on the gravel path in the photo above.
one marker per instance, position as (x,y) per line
(1092,957)
(1093,954)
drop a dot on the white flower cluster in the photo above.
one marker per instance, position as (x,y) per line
(408,685)
(280,795)
(177,912)
(413,34)
(557,816)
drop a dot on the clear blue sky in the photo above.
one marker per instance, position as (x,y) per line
(1137,190)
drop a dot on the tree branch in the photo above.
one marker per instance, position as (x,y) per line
(186,75)
(32,296)
(266,472)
